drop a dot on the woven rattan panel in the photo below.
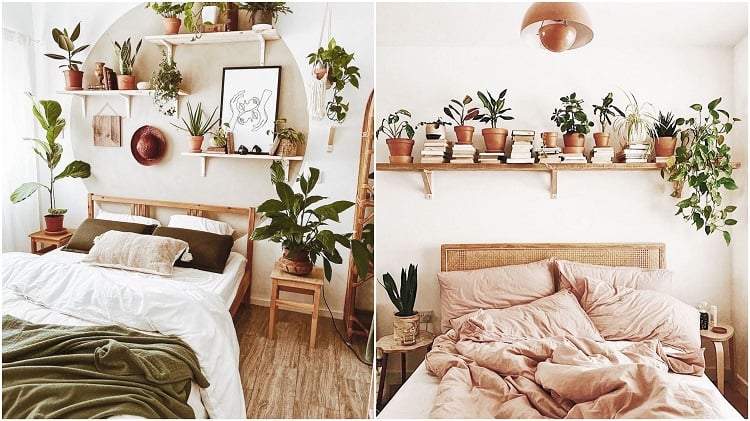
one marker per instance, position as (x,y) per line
(478,256)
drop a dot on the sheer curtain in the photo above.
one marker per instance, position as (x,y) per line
(19,160)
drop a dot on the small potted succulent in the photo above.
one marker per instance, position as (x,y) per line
(171,13)
(494,137)
(606,111)
(405,320)
(463,132)
(435,129)
(334,60)
(166,84)
(73,76)
(126,80)
(393,127)
(196,126)
(264,12)
(288,139)
(573,122)
(664,133)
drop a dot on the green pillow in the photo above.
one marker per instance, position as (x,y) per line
(210,251)
(83,238)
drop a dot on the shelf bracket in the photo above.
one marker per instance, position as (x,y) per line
(331,135)
(127,99)
(285,166)
(262,42)
(427,180)
(553,184)
(170,49)
(84,103)
(203,166)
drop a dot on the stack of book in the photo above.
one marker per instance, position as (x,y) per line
(491,157)
(573,158)
(216,149)
(548,155)
(637,152)
(463,154)
(602,154)
(435,151)
(520,152)
(662,159)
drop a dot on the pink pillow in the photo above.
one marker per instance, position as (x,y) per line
(462,292)
(572,274)
(622,313)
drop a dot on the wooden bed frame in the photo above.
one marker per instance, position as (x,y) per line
(142,207)
(479,256)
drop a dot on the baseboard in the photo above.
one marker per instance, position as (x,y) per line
(322,311)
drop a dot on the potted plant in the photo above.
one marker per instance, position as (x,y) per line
(210,11)
(299,223)
(288,139)
(703,163)
(197,126)
(264,12)
(47,113)
(126,80)
(606,111)
(73,76)
(363,252)
(664,133)
(634,126)
(463,132)
(393,127)
(221,137)
(572,121)
(494,137)
(337,61)
(435,129)
(171,13)
(166,85)
(405,320)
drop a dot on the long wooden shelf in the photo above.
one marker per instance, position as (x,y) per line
(126,94)
(172,41)
(205,156)
(427,169)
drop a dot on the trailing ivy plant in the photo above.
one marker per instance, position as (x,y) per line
(166,83)
(702,162)
(340,73)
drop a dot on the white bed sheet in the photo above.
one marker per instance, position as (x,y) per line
(424,385)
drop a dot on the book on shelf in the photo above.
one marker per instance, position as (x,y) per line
(438,153)
(550,159)
(662,159)
(462,161)
(432,160)
(600,160)
(216,149)
(548,150)
(641,146)
(512,160)
(440,144)
(573,158)
(521,132)
(490,154)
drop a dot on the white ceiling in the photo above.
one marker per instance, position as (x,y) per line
(616,24)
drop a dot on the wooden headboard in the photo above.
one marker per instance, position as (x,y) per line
(145,207)
(478,256)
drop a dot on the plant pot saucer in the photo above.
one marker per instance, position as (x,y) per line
(261,27)
(62,231)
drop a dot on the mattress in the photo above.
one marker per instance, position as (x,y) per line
(425,385)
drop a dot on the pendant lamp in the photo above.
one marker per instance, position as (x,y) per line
(557,26)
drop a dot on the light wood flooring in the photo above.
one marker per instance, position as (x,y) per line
(285,378)
(734,397)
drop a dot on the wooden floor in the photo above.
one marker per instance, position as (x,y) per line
(285,378)
(738,401)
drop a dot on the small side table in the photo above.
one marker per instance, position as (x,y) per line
(54,241)
(388,346)
(312,284)
(718,339)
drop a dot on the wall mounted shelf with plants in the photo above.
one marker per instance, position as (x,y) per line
(285,160)
(172,41)
(126,95)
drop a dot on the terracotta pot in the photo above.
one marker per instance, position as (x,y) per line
(400,146)
(494,139)
(664,146)
(549,139)
(172,26)
(195,143)
(406,329)
(54,224)
(601,139)
(262,17)
(73,80)
(401,159)
(125,82)
(573,149)
(297,265)
(464,134)
(574,139)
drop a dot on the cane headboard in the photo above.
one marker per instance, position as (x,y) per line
(478,256)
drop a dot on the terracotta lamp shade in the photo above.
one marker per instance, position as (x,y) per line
(557,26)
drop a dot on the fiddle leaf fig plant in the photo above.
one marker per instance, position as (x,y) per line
(702,163)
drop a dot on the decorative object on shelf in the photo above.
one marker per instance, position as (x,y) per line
(463,132)
(166,83)
(573,122)
(606,111)
(144,86)
(635,125)
(557,26)
(148,145)
(702,163)
(265,12)
(126,80)
(99,75)
(300,228)
(211,11)
(286,139)
(107,128)
(250,103)
(494,137)
(221,138)
(197,126)
(232,16)
(171,13)
(73,76)
(664,133)
(549,139)
(405,320)
(340,73)
(242,150)
(110,79)
(393,128)
(435,130)
(47,113)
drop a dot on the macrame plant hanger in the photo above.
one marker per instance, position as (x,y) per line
(319,80)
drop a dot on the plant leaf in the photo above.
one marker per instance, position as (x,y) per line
(24,191)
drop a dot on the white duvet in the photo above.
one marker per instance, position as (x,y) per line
(162,305)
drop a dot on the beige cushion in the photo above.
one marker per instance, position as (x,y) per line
(572,274)
(622,313)
(200,223)
(137,252)
(462,292)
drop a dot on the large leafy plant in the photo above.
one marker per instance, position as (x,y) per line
(299,226)
(363,251)
(47,113)
(607,110)
(392,126)
(495,108)
(274,7)
(65,42)
(702,162)
(405,298)
(175,10)
(570,117)
(340,73)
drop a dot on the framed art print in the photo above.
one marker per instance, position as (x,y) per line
(250,104)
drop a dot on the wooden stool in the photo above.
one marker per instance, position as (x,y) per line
(54,240)
(718,339)
(312,284)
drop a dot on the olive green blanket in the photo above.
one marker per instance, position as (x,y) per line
(52,371)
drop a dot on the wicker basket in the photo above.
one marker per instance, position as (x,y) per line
(287,148)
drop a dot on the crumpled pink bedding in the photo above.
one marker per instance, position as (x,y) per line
(486,374)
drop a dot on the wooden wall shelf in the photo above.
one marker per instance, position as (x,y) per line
(427,169)
(172,41)
(126,95)
(205,156)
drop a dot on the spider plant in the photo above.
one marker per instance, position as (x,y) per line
(635,125)
(195,124)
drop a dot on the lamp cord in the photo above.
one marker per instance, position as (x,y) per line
(348,345)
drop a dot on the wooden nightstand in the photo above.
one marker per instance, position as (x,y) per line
(54,241)
(718,339)
(386,345)
(312,284)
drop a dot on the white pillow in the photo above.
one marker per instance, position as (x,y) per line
(137,252)
(124,217)
(200,224)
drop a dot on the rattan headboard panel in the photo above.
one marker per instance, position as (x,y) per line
(478,256)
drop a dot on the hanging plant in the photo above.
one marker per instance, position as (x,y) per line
(166,84)
(340,73)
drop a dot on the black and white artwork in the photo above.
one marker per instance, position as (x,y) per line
(249,103)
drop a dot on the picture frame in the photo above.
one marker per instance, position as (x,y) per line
(250,104)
